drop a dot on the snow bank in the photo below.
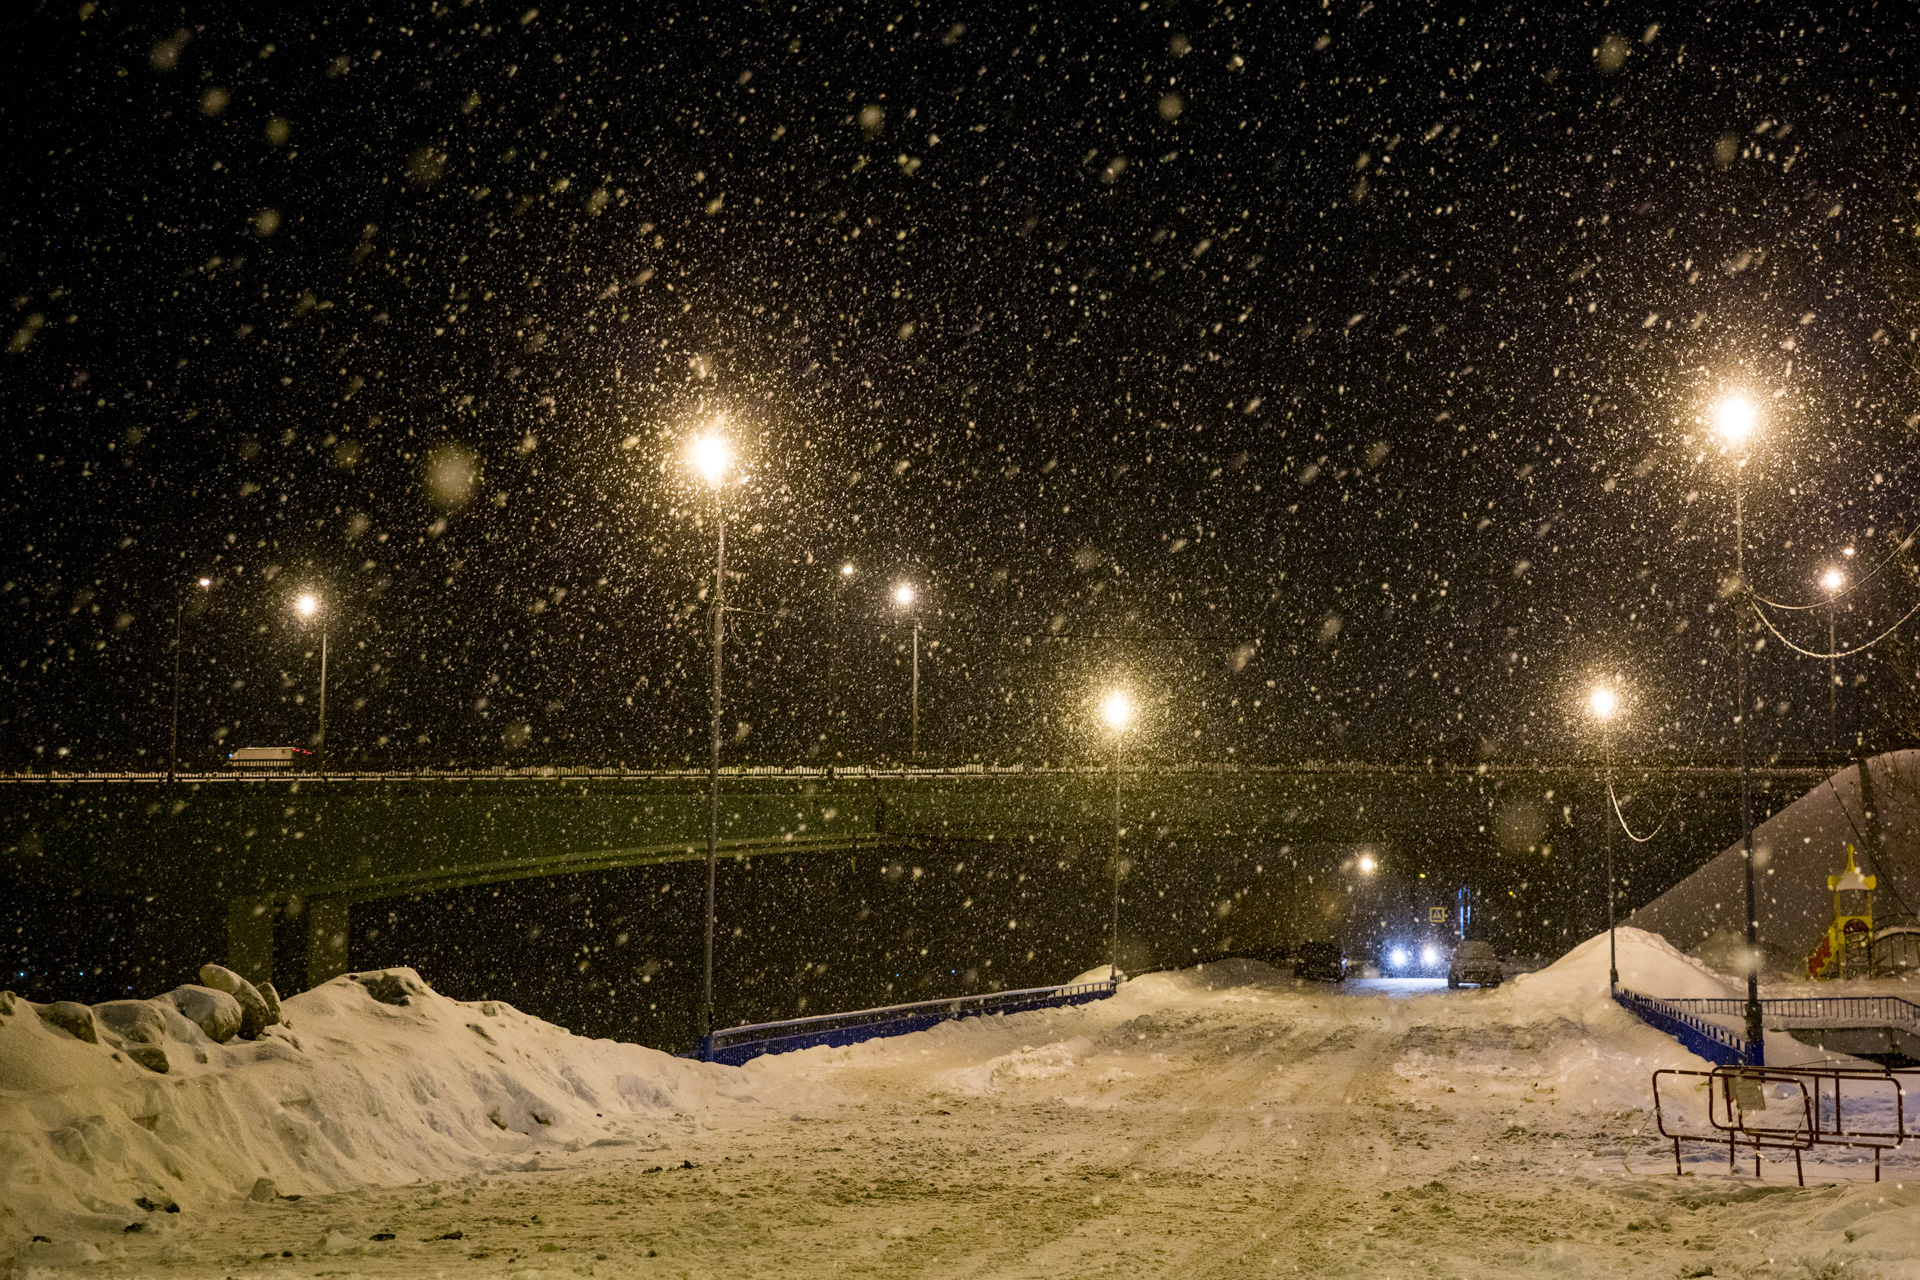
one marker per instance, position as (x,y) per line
(374,1078)
(1575,985)
(1794,852)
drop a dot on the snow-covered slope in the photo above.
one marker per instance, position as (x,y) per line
(350,1091)
(1794,852)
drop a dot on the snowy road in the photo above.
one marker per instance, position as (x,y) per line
(1223,1122)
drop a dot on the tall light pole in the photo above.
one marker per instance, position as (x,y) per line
(1735,419)
(1602,703)
(1117,710)
(179,614)
(308,606)
(832,737)
(712,457)
(905,596)
(1833,580)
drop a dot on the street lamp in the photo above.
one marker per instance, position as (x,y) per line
(1833,580)
(831,737)
(179,613)
(712,457)
(308,606)
(1737,422)
(904,596)
(1602,703)
(1117,710)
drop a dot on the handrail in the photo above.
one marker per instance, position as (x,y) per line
(1708,1040)
(1876,1008)
(903,1010)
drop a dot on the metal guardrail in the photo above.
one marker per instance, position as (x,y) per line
(1817,1011)
(1709,1040)
(737,1045)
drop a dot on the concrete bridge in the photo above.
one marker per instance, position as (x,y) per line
(268,849)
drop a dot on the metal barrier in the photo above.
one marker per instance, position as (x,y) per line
(1708,1040)
(738,1045)
(1739,1113)
(1822,1011)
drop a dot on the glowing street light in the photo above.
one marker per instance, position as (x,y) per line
(1367,864)
(179,614)
(1116,709)
(712,456)
(307,605)
(904,596)
(1602,703)
(1735,419)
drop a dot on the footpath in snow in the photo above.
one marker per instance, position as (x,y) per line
(1221,1121)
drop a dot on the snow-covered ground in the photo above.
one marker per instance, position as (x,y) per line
(1217,1121)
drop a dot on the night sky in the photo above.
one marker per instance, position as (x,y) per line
(1338,377)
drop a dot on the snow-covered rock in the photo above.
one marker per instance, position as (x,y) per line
(255,1014)
(73,1018)
(214,1012)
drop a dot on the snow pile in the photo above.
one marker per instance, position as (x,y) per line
(374,1078)
(1575,985)
(1794,852)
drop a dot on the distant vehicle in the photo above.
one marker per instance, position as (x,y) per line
(266,757)
(1425,959)
(1476,963)
(1320,961)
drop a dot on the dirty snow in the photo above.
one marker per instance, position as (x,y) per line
(1225,1120)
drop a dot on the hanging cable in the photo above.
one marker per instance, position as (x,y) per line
(1845,653)
(1857,583)
(1860,842)
(1623,818)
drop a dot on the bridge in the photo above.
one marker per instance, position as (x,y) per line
(262,847)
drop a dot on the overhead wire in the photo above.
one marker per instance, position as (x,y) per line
(1858,583)
(1700,714)
(1844,653)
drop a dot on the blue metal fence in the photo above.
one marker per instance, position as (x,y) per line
(1682,1020)
(737,1045)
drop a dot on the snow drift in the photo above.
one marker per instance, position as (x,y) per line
(374,1078)
(1794,852)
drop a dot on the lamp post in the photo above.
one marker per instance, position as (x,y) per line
(308,606)
(1602,703)
(712,458)
(1117,710)
(173,744)
(1833,580)
(904,596)
(831,737)
(1735,419)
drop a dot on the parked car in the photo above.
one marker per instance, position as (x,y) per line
(1474,962)
(1321,961)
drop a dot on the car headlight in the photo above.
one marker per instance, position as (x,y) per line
(1429,956)
(1397,957)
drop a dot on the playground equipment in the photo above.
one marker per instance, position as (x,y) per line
(1847,947)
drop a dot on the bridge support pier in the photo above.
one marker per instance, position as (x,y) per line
(250,938)
(326,939)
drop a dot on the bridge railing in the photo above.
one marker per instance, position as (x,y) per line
(737,1045)
(1816,1011)
(1692,1028)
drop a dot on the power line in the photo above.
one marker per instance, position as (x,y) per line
(1840,595)
(1845,653)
